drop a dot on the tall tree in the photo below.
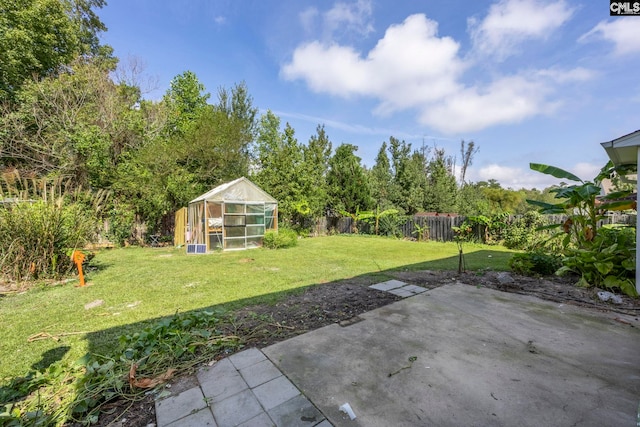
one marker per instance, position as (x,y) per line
(215,149)
(186,99)
(441,185)
(37,37)
(316,155)
(347,182)
(415,182)
(471,201)
(409,176)
(237,105)
(381,180)
(75,125)
(279,166)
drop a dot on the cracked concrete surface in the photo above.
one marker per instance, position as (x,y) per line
(459,355)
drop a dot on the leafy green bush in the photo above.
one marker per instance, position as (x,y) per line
(609,262)
(280,239)
(36,239)
(535,263)
(391,225)
(482,229)
(523,233)
(121,219)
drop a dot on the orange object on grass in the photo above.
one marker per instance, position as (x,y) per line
(78,258)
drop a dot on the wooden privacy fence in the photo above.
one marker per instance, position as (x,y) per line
(440,227)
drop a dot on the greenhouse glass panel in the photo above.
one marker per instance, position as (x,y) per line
(215,241)
(254,242)
(234,208)
(255,219)
(214,210)
(255,208)
(268,222)
(234,220)
(255,230)
(234,243)
(269,209)
(234,232)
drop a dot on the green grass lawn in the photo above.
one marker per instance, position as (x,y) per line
(143,284)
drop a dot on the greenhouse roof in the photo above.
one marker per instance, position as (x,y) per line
(240,189)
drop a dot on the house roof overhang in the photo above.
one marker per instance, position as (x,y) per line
(623,151)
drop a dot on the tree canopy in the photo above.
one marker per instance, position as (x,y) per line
(39,37)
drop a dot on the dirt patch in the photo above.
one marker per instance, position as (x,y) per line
(263,325)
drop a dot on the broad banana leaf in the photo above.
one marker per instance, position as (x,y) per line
(547,208)
(620,205)
(616,195)
(554,171)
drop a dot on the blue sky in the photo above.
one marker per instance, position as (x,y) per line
(529,81)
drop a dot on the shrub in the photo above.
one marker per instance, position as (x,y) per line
(609,262)
(522,232)
(121,220)
(391,225)
(535,263)
(280,239)
(37,238)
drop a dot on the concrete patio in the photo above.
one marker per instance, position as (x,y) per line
(455,355)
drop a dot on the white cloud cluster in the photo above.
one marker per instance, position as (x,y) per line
(413,67)
(623,33)
(509,23)
(518,178)
(408,67)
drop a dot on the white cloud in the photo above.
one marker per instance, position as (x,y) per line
(578,74)
(354,128)
(413,67)
(351,17)
(510,177)
(410,65)
(623,33)
(517,178)
(507,100)
(511,22)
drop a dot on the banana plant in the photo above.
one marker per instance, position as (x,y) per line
(367,215)
(376,216)
(600,259)
(580,203)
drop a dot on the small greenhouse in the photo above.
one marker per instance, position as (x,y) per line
(234,215)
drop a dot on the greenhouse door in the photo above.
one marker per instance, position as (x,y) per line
(243,225)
